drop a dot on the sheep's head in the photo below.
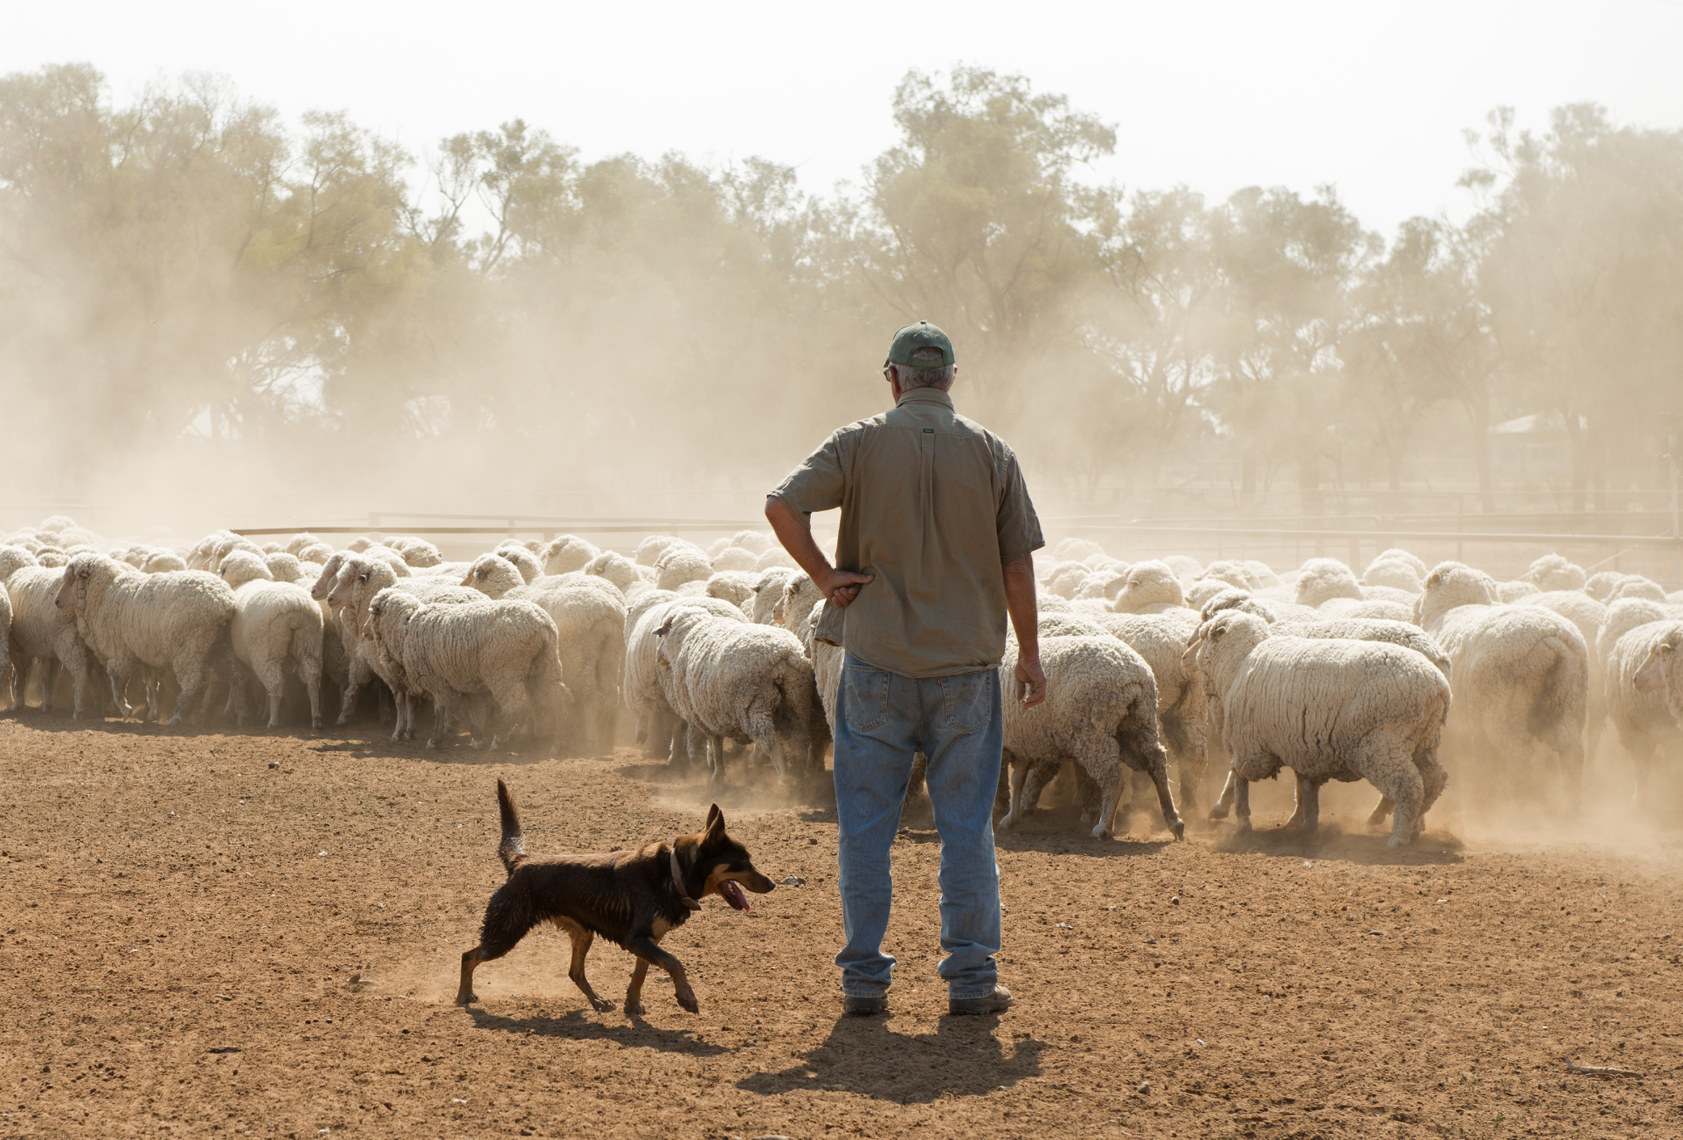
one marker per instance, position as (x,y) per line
(1451,585)
(80,573)
(328,577)
(1662,667)
(242,566)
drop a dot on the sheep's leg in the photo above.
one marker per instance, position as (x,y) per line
(1224,802)
(1159,773)
(49,680)
(716,757)
(347,699)
(310,673)
(1039,775)
(191,673)
(1019,773)
(511,707)
(119,678)
(1241,801)
(1399,779)
(440,716)
(269,676)
(1110,791)
(80,686)
(1308,813)
(1381,811)
(403,703)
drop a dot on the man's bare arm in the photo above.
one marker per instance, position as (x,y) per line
(1022,603)
(793,531)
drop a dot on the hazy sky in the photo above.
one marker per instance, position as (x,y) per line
(1370,96)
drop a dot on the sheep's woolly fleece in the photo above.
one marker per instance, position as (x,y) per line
(1329,709)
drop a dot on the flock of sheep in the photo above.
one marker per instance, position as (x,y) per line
(1153,667)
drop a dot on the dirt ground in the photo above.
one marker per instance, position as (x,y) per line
(252,934)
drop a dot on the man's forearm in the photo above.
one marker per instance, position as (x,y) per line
(1022,603)
(795,534)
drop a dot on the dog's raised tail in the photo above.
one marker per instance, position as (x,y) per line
(512,849)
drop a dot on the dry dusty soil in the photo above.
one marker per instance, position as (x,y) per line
(258,935)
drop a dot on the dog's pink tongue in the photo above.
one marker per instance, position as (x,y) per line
(733,895)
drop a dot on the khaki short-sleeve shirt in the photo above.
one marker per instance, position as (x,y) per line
(933,504)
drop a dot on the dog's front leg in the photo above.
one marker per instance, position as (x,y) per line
(649,951)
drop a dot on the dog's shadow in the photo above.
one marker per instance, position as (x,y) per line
(963,1057)
(576,1026)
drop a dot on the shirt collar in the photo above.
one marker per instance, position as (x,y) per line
(926,396)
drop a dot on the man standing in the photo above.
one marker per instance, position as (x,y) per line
(935,549)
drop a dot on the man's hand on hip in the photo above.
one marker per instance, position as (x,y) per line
(842,586)
(1030,682)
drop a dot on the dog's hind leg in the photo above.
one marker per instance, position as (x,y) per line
(649,951)
(502,930)
(582,939)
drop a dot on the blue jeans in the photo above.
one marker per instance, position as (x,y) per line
(882,718)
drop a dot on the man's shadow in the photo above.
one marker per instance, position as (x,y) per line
(864,1055)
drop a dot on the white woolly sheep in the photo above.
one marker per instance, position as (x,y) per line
(1589,616)
(1554,572)
(736,680)
(735,558)
(275,622)
(1511,593)
(300,542)
(793,608)
(1148,587)
(1065,579)
(452,652)
(1397,569)
(734,586)
(1520,673)
(1601,584)
(417,553)
(1374,609)
(132,620)
(524,560)
(360,580)
(40,631)
(1322,579)
(1329,710)
(682,564)
(1636,586)
(285,568)
(1075,549)
(616,569)
(589,615)
(768,593)
(1186,569)
(569,553)
(657,726)
(755,542)
(1100,712)
(1641,710)
(648,551)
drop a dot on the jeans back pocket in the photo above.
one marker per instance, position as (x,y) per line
(864,697)
(968,700)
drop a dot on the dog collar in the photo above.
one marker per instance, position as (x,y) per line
(678,877)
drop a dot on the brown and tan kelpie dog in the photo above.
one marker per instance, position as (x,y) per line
(628,897)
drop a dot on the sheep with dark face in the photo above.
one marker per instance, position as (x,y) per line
(1329,709)
(134,621)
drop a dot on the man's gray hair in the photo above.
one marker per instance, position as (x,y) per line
(935,376)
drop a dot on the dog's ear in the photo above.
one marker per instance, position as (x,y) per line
(715,823)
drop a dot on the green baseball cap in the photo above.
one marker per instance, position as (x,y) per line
(921,335)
